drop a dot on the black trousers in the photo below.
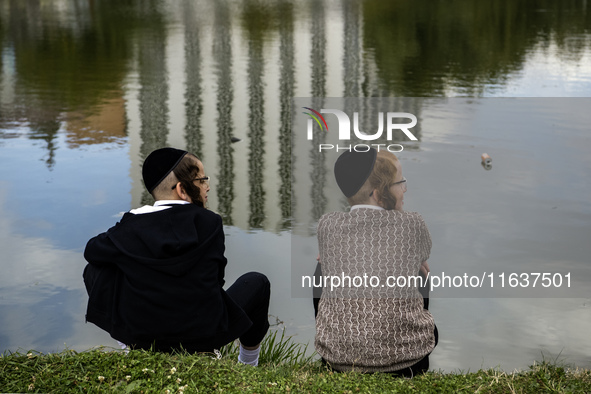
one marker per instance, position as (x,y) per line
(422,365)
(252,292)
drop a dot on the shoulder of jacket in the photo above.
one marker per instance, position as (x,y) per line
(332,216)
(411,214)
(197,210)
(417,218)
(416,215)
(205,214)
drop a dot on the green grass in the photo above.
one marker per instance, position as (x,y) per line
(283,367)
(275,350)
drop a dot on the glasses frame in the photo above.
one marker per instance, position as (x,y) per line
(201,180)
(400,182)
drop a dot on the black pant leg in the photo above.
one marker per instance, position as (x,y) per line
(252,292)
(317,291)
(424,290)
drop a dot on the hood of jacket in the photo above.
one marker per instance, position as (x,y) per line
(171,240)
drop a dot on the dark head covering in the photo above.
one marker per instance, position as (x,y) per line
(352,170)
(159,164)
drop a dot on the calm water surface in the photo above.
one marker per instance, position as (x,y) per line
(88,89)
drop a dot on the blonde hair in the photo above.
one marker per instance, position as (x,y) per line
(381,179)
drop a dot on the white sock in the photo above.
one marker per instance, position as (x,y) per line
(250,357)
(123,346)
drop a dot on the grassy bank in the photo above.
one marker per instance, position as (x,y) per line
(284,368)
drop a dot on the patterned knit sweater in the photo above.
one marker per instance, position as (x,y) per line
(372,328)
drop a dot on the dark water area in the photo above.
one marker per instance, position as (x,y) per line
(89,88)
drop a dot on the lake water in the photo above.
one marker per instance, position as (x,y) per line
(88,89)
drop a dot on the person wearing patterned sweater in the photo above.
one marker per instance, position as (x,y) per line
(366,324)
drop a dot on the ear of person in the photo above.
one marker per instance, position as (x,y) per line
(181,193)
(374,197)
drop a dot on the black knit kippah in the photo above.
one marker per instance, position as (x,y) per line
(352,169)
(159,164)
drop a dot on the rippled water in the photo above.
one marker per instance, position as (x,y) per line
(88,89)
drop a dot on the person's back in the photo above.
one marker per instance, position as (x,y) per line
(155,279)
(362,325)
(370,323)
(169,287)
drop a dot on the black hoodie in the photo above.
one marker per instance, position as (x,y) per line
(155,281)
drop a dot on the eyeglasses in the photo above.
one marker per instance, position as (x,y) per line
(204,180)
(400,182)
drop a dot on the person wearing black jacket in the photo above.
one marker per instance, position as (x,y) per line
(155,280)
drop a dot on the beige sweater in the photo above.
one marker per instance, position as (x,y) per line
(375,328)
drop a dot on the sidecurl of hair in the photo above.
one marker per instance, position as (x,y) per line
(381,179)
(186,171)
